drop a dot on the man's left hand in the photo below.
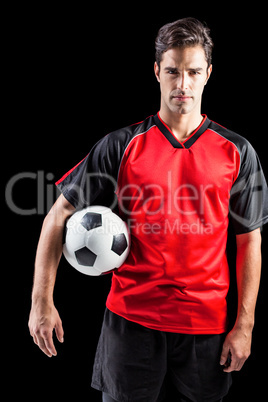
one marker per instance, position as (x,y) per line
(236,349)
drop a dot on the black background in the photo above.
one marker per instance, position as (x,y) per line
(72,75)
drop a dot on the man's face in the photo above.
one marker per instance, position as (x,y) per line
(182,76)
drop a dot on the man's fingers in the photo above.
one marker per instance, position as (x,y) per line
(229,365)
(225,355)
(35,339)
(59,331)
(41,344)
(43,339)
(48,341)
(41,325)
(236,363)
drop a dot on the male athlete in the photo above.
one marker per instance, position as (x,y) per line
(177,178)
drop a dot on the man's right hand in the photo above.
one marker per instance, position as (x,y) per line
(43,319)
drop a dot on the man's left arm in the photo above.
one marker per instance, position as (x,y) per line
(237,345)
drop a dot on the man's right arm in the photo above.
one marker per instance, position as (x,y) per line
(43,316)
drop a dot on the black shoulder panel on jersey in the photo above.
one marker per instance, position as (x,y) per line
(249,194)
(93,181)
(107,154)
(240,142)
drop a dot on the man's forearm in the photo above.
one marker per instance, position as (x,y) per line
(237,345)
(49,250)
(47,259)
(248,268)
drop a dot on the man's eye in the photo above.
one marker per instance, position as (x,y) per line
(193,72)
(172,71)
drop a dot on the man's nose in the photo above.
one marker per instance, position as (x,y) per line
(183,82)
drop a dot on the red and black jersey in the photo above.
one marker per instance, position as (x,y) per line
(177,198)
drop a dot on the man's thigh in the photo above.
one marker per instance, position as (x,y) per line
(130,362)
(194,366)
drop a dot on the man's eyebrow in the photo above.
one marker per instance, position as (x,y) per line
(195,69)
(168,68)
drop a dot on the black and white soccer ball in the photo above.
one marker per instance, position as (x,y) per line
(96,241)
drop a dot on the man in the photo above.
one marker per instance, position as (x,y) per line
(177,177)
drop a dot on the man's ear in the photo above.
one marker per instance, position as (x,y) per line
(157,71)
(209,73)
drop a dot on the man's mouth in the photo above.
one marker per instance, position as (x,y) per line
(182,98)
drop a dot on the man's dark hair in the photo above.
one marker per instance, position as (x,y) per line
(183,33)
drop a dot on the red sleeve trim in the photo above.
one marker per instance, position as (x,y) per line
(69,172)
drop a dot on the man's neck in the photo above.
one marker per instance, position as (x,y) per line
(181,125)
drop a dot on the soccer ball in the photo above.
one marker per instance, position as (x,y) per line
(96,241)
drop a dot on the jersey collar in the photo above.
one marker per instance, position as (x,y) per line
(173,140)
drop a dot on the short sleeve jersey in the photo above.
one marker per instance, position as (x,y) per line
(177,198)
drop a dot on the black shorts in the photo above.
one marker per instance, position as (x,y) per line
(133,363)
